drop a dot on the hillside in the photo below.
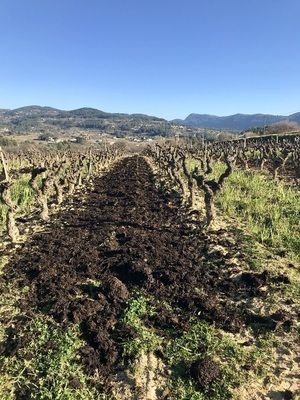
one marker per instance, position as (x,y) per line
(46,119)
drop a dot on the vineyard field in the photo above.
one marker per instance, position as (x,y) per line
(124,292)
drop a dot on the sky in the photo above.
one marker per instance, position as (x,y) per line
(166,58)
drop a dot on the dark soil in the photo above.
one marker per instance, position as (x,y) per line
(127,235)
(204,372)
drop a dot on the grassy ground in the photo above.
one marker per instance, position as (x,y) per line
(199,339)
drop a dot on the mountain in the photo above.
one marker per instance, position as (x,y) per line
(237,122)
(295,117)
(85,112)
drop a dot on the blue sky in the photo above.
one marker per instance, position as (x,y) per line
(166,58)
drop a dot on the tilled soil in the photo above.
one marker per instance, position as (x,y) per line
(128,235)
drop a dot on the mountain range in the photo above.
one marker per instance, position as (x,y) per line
(37,116)
(237,122)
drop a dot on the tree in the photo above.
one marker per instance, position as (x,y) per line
(282,127)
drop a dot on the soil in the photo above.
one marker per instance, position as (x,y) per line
(128,234)
(204,371)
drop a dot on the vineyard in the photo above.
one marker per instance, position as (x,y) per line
(169,274)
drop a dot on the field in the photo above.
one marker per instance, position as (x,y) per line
(125,293)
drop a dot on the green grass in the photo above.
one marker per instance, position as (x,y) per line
(46,367)
(269,210)
(146,340)
(22,195)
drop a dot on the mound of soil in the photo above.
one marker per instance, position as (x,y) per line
(127,235)
(204,372)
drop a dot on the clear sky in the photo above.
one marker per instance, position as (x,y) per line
(167,58)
